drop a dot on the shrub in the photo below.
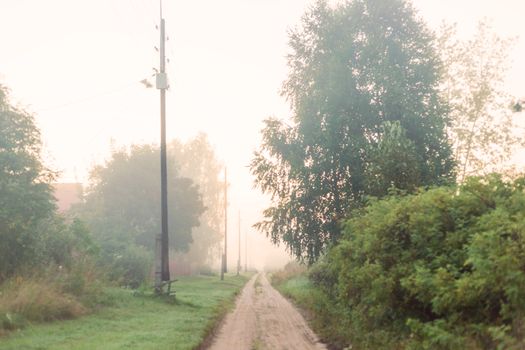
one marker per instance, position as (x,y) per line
(132,266)
(10,322)
(442,269)
(324,276)
(290,270)
(207,270)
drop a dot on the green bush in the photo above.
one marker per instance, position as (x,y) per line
(207,270)
(323,275)
(11,322)
(291,269)
(132,266)
(442,269)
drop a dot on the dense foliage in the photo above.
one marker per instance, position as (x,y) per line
(441,269)
(196,160)
(367,115)
(122,209)
(26,201)
(31,232)
(483,131)
(46,270)
(125,194)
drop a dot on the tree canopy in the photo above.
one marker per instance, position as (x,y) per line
(363,85)
(483,129)
(196,160)
(26,200)
(123,203)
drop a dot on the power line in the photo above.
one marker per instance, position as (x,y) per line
(88,98)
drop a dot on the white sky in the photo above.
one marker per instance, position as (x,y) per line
(76,66)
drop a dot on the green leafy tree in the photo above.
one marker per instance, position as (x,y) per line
(483,131)
(197,160)
(392,162)
(26,200)
(122,207)
(354,68)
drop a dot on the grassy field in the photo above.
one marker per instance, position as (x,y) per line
(139,321)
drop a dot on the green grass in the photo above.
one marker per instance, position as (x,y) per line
(297,288)
(139,322)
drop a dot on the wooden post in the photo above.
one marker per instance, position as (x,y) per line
(225,266)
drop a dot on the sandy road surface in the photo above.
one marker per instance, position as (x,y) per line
(264,319)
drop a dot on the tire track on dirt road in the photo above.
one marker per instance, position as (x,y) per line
(264,319)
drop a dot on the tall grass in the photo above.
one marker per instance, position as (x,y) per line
(52,294)
(139,321)
(290,270)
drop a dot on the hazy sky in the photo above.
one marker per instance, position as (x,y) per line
(76,66)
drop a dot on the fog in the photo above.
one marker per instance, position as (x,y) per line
(77,65)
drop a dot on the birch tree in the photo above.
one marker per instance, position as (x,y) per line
(483,130)
(364,77)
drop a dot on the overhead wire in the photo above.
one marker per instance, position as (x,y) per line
(117,12)
(90,97)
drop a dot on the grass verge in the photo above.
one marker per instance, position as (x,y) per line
(49,295)
(139,321)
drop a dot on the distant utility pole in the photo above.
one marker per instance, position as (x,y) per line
(222,265)
(239,260)
(245,251)
(225,255)
(162,85)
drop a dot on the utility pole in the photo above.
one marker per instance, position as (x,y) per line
(162,84)
(222,265)
(225,256)
(239,260)
(245,251)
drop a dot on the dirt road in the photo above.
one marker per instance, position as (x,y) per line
(263,319)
